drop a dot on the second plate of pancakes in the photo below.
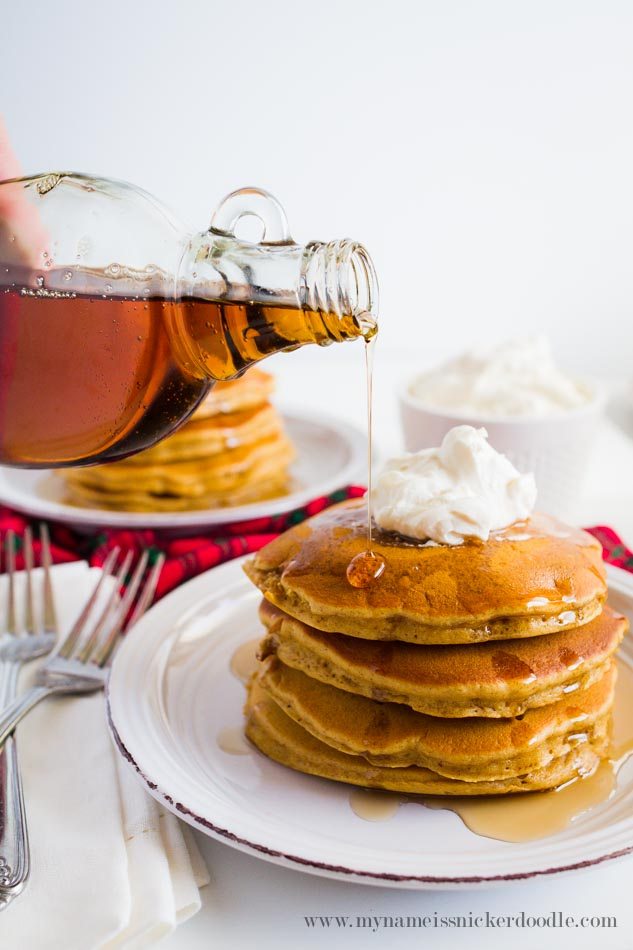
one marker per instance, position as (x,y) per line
(177,715)
(328,455)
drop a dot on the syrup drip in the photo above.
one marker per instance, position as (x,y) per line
(507,665)
(369,374)
(367,566)
(531,815)
(244,660)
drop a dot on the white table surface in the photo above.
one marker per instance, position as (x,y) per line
(251,903)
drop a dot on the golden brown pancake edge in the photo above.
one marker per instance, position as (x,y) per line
(529,580)
(283,740)
(468,749)
(461,680)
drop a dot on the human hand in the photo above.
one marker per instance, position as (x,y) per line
(22,236)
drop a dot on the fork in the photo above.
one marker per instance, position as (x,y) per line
(16,649)
(82,662)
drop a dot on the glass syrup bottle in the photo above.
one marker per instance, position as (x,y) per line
(115,320)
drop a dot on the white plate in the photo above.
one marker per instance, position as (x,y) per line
(330,455)
(171,693)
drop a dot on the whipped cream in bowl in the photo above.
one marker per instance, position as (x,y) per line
(514,379)
(542,419)
(462,489)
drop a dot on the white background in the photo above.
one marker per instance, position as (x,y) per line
(482,151)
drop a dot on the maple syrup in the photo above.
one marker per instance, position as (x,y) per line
(374,804)
(94,376)
(529,815)
(367,566)
(115,318)
(232,740)
(244,660)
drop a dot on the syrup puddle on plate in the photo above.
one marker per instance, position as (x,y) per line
(244,660)
(233,741)
(515,817)
(243,664)
(531,815)
(374,805)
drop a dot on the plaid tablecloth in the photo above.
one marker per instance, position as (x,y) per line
(185,556)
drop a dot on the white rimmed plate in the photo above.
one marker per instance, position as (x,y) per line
(330,455)
(172,693)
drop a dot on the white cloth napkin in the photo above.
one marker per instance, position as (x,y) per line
(109,866)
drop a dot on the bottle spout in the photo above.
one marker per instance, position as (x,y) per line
(339,278)
(336,278)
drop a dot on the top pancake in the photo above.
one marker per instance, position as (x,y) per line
(533,578)
(202,437)
(189,484)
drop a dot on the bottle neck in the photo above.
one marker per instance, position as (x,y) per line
(339,282)
(238,302)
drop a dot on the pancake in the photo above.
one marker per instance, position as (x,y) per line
(467,749)
(235,395)
(273,487)
(202,437)
(231,451)
(495,679)
(233,477)
(531,579)
(282,739)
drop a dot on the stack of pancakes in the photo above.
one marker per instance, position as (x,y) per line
(482,668)
(233,450)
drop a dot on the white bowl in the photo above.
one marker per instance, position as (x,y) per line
(556,448)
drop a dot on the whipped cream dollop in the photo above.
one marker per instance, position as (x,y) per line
(515,378)
(463,489)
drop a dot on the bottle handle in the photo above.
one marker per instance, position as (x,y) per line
(259,203)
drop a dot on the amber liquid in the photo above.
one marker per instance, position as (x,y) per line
(91,377)
(529,815)
(244,660)
(367,566)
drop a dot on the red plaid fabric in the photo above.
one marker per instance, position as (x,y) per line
(186,557)
(614,551)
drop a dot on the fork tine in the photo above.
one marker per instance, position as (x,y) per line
(106,647)
(9,553)
(70,642)
(147,594)
(50,617)
(85,649)
(27,550)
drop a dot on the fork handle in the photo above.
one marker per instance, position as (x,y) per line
(14,840)
(17,710)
